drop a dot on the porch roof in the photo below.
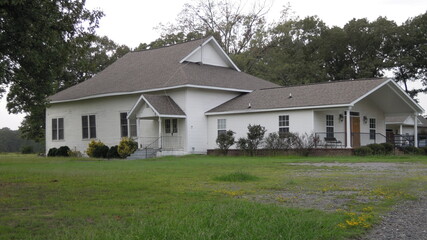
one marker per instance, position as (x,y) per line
(162,106)
(385,93)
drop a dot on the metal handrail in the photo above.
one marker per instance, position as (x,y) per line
(146,147)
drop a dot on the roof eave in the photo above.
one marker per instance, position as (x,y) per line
(277,109)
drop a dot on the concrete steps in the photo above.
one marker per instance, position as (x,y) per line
(144,153)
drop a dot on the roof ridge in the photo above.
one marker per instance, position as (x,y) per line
(327,82)
(172,45)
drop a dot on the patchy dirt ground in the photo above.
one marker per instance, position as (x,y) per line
(406,220)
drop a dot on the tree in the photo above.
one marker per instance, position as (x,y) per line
(410,56)
(36,41)
(225,141)
(225,20)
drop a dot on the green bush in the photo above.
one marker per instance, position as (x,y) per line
(62,151)
(377,149)
(412,150)
(27,149)
(52,152)
(100,151)
(112,152)
(388,148)
(363,151)
(225,141)
(94,148)
(126,147)
(424,150)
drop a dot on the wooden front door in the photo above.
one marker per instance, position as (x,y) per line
(355,131)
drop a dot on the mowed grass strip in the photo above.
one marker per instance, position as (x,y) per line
(238,176)
(166,198)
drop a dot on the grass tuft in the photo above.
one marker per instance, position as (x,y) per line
(238,176)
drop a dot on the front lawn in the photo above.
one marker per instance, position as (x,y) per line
(201,197)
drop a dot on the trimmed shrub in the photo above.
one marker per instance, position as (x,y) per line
(225,141)
(100,151)
(362,151)
(126,147)
(388,148)
(52,152)
(412,150)
(93,148)
(112,152)
(27,149)
(62,151)
(377,149)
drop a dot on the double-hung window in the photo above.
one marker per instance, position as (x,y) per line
(329,126)
(88,126)
(124,126)
(372,128)
(57,128)
(171,125)
(283,124)
(222,126)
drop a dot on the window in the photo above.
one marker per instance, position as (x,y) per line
(222,126)
(124,126)
(133,132)
(372,127)
(171,125)
(284,124)
(57,128)
(330,126)
(88,126)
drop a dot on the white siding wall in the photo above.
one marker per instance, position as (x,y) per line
(198,102)
(364,108)
(107,111)
(208,55)
(299,121)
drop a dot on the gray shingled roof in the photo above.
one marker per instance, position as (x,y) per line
(164,105)
(159,68)
(331,93)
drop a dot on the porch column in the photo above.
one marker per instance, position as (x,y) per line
(348,130)
(415,130)
(137,133)
(160,132)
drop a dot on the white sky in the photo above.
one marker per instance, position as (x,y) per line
(131,22)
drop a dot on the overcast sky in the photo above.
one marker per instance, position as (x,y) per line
(131,22)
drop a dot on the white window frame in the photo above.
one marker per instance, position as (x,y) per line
(90,134)
(372,128)
(330,124)
(221,126)
(283,124)
(56,136)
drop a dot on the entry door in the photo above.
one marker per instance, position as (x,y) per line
(355,131)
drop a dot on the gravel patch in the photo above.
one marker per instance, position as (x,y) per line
(406,221)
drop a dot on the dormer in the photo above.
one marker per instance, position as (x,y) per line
(210,53)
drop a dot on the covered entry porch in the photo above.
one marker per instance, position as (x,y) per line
(160,124)
(363,121)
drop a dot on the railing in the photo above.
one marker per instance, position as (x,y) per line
(168,143)
(338,139)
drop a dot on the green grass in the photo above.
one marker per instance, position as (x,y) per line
(237,176)
(190,197)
